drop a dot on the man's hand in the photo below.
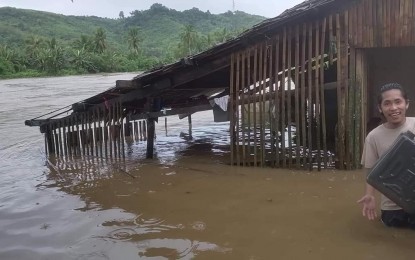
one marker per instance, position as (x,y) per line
(369,206)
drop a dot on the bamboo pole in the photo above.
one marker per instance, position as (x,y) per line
(331,39)
(101,135)
(249,82)
(255,106)
(95,132)
(345,101)
(317,96)
(119,128)
(64,141)
(236,112)
(78,150)
(90,134)
(340,125)
(232,118)
(277,102)
(303,95)
(265,69)
(271,85)
(141,130)
(283,77)
(322,94)
(289,85)
(123,131)
(310,95)
(114,129)
(108,147)
(243,110)
(145,130)
(261,108)
(55,139)
(62,153)
(296,93)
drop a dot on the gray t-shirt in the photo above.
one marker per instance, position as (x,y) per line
(377,142)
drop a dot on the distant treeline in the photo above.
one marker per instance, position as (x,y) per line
(39,43)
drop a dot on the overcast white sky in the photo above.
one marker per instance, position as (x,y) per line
(112,8)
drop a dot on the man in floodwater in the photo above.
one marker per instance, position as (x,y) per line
(392,104)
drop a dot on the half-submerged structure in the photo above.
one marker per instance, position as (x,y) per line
(300,85)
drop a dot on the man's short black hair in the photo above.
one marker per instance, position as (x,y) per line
(391,86)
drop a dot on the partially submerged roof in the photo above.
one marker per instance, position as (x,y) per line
(192,80)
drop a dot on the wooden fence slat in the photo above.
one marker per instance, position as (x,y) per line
(243,106)
(289,97)
(283,92)
(303,94)
(250,99)
(317,93)
(277,101)
(232,117)
(296,95)
(310,95)
(322,94)
(255,106)
(236,105)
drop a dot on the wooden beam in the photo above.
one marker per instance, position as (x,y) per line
(176,111)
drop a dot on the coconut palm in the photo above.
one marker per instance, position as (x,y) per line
(189,39)
(100,40)
(133,40)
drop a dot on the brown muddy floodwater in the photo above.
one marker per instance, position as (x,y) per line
(185,204)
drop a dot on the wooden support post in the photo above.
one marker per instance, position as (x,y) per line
(49,137)
(236,105)
(249,79)
(165,124)
(317,93)
(322,96)
(310,96)
(254,103)
(232,116)
(277,102)
(150,138)
(189,119)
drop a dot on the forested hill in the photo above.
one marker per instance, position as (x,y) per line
(43,42)
(159,26)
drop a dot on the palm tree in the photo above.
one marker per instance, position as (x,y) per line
(84,43)
(100,40)
(189,38)
(33,45)
(133,40)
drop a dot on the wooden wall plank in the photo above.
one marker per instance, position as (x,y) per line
(277,100)
(289,97)
(232,116)
(297,96)
(283,93)
(317,93)
(310,95)
(322,95)
(303,93)
(236,107)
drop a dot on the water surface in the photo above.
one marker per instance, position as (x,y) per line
(185,204)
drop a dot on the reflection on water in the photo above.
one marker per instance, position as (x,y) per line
(185,204)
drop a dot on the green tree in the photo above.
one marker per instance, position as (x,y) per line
(100,40)
(133,40)
(188,40)
(121,15)
(84,43)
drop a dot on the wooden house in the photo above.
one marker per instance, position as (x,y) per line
(302,87)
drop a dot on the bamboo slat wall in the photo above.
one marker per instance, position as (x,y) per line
(283,79)
(100,133)
(382,23)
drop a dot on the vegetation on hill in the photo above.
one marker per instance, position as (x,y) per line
(36,43)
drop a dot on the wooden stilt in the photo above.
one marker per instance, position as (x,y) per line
(150,138)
